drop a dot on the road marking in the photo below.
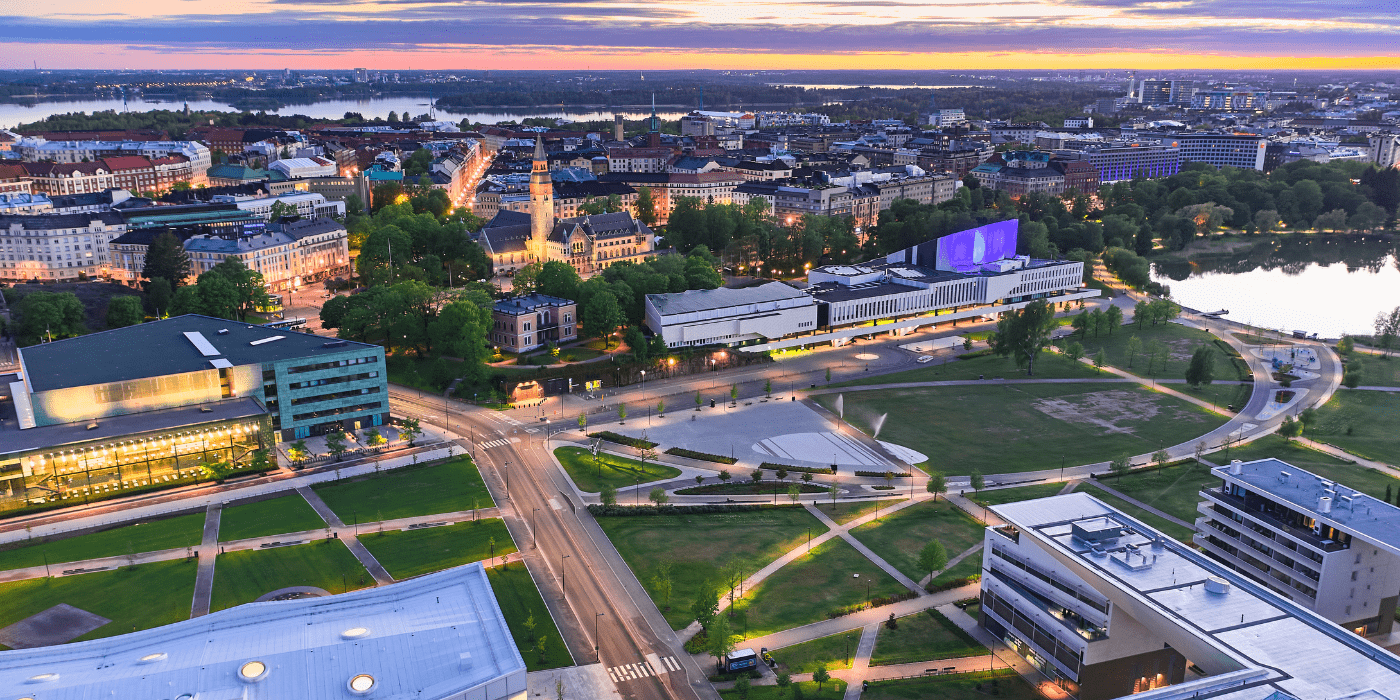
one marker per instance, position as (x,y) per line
(515,439)
(555,504)
(663,665)
(631,672)
(494,443)
(673,663)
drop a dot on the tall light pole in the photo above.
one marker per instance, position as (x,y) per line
(534,534)
(564,577)
(644,386)
(595,636)
(506,468)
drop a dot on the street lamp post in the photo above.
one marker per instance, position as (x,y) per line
(644,386)
(534,534)
(595,636)
(564,577)
(506,468)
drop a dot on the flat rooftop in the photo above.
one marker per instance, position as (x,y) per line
(160,348)
(56,437)
(1287,647)
(723,297)
(428,638)
(1363,516)
(835,292)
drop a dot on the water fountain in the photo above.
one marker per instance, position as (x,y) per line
(841,405)
(877,424)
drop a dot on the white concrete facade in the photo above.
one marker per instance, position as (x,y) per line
(730,316)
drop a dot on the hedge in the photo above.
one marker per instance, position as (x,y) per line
(704,456)
(896,475)
(626,511)
(975,354)
(1139,470)
(610,436)
(774,466)
(950,585)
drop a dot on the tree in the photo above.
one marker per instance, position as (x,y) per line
(47,316)
(976,481)
(622,412)
(166,258)
(608,495)
(248,284)
(820,676)
(1335,220)
(794,493)
(1134,348)
(1024,333)
(125,311)
(1201,370)
(698,401)
(1096,321)
(662,581)
(410,430)
(214,296)
(335,444)
(784,680)
(1201,451)
(661,408)
(658,496)
(646,206)
(724,475)
(705,606)
(756,475)
(933,557)
(768,387)
(833,491)
(530,625)
(158,293)
(1387,327)
(297,451)
(937,483)
(741,687)
(1074,351)
(1346,345)
(1121,464)
(828,375)
(1100,359)
(1160,457)
(1308,417)
(601,315)
(280,209)
(1266,220)
(1290,428)
(1113,318)
(1351,378)
(374,438)
(733,393)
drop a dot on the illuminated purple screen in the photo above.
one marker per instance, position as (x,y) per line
(968,249)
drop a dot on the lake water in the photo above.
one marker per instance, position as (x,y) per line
(12,115)
(839,86)
(1326,286)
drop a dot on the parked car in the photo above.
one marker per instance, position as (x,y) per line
(925,358)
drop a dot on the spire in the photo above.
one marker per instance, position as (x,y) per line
(539,147)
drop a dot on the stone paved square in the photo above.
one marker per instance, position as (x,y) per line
(58,625)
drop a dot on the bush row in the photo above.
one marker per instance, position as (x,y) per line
(774,466)
(1147,468)
(610,436)
(975,354)
(624,511)
(896,475)
(875,603)
(705,456)
(950,585)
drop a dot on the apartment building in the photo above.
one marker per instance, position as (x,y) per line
(524,323)
(57,246)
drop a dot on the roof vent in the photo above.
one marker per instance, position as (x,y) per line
(335,344)
(1217,585)
(1324,504)
(222,331)
(1236,466)
(92,426)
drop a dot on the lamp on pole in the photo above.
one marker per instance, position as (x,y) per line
(644,385)
(534,534)
(595,636)
(564,577)
(506,468)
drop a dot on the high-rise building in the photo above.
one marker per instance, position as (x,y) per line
(1385,150)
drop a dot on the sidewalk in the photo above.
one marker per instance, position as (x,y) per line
(865,551)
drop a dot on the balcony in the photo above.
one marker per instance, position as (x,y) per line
(1071,620)
(1250,567)
(1302,534)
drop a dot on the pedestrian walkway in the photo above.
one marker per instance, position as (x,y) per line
(207,553)
(846,623)
(1147,507)
(372,565)
(1342,454)
(970,551)
(861,663)
(865,551)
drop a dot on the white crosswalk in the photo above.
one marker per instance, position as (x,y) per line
(642,669)
(494,443)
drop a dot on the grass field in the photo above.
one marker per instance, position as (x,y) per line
(834,652)
(1025,427)
(845,512)
(831,690)
(1373,418)
(900,537)
(132,597)
(1376,370)
(700,546)
(971,566)
(618,472)
(241,577)
(1049,365)
(1016,493)
(171,533)
(1266,340)
(812,585)
(749,488)
(1180,341)
(1367,481)
(520,600)
(923,636)
(1173,530)
(290,513)
(416,552)
(1174,490)
(442,487)
(966,686)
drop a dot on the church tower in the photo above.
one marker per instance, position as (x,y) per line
(541,204)
(653,126)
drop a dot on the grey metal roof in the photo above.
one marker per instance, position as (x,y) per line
(723,297)
(529,302)
(159,348)
(1352,511)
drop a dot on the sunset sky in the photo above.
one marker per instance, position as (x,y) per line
(658,34)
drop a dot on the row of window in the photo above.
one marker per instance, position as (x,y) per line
(373,359)
(334,396)
(338,411)
(333,380)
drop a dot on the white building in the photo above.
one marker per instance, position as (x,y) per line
(37,148)
(730,316)
(1108,607)
(1385,150)
(435,637)
(308,204)
(1326,547)
(298,168)
(25,203)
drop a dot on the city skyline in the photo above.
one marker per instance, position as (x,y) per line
(773,34)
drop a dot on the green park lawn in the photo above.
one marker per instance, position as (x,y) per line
(1257,339)
(441,487)
(845,511)
(1171,529)
(1367,481)
(971,566)
(1373,418)
(699,546)
(416,552)
(1026,427)
(1049,365)
(1174,490)
(899,537)
(923,636)
(132,597)
(833,652)
(590,474)
(170,533)
(242,577)
(1016,493)
(749,488)
(290,513)
(1180,341)
(519,601)
(812,585)
(831,690)
(1376,370)
(963,686)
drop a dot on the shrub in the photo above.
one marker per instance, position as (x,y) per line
(806,470)
(896,475)
(599,511)
(949,585)
(705,456)
(610,436)
(975,354)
